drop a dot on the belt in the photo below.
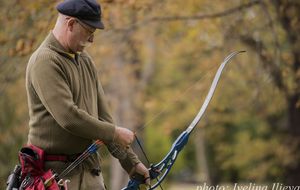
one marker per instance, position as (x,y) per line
(69,158)
(61,158)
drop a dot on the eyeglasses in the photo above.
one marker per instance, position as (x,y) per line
(85,27)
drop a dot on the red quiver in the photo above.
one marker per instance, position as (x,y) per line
(33,175)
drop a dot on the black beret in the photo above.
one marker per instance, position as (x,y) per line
(87,11)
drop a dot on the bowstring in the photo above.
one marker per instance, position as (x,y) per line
(145,155)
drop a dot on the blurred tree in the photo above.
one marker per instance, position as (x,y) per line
(261,36)
(275,37)
(156,60)
(22,26)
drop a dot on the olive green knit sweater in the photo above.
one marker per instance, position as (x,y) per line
(67,107)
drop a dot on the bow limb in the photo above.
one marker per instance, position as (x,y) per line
(159,171)
(211,91)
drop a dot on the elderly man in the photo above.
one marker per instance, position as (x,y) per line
(67,107)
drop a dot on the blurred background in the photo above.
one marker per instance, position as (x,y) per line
(156,60)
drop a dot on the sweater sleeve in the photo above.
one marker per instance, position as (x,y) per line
(127,158)
(51,86)
(103,111)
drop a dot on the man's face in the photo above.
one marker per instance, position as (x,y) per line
(80,35)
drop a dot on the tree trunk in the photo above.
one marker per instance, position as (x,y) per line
(118,177)
(294,115)
(293,174)
(289,16)
(202,167)
(122,95)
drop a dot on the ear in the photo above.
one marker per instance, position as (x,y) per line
(70,24)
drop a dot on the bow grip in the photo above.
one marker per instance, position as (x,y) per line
(138,179)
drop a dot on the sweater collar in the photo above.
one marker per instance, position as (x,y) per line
(54,44)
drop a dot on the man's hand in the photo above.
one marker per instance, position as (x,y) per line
(141,169)
(123,136)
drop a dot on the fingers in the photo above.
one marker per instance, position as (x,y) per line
(142,170)
(147,180)
(124,136)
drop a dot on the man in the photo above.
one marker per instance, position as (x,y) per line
(67,107)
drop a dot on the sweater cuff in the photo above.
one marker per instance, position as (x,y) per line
(108,134)
(130,161)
